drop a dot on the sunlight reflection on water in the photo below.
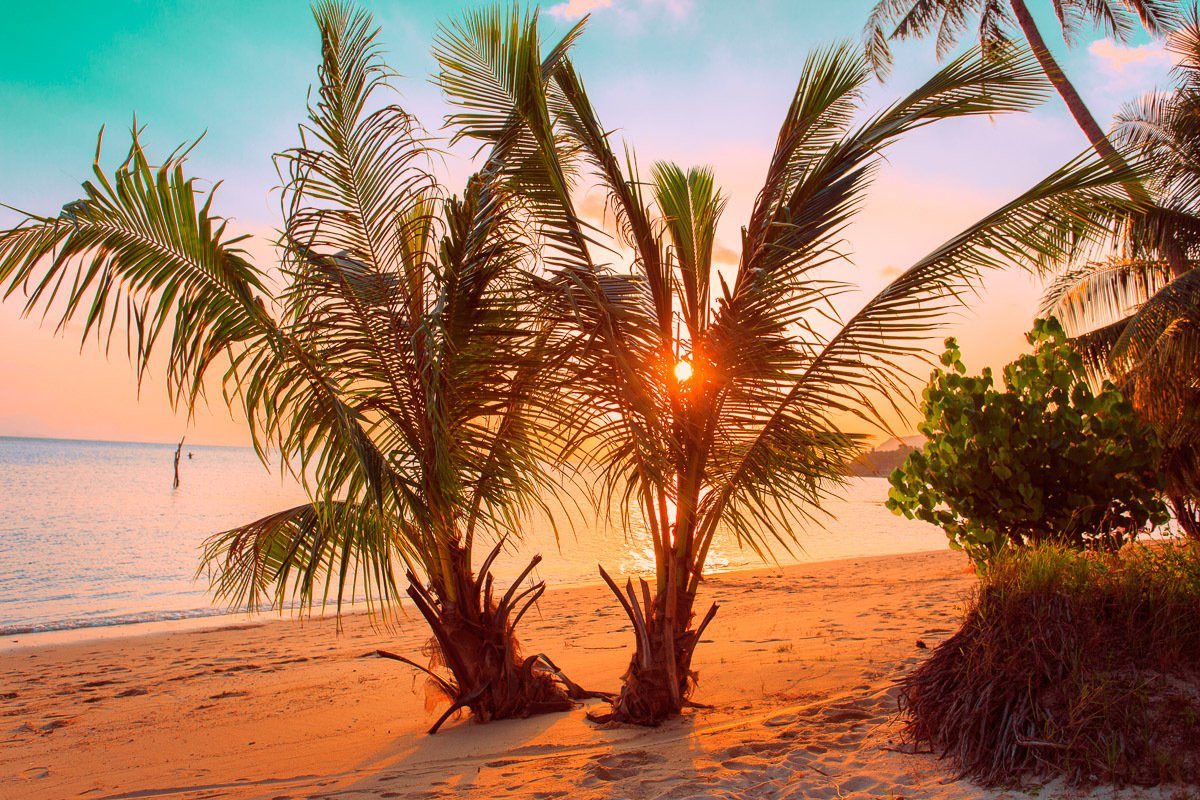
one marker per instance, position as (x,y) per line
(91,533)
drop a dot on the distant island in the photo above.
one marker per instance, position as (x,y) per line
(880,462)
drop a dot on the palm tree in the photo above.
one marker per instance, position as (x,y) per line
(394,363)
(949,20)
(711,402)
(1134,308)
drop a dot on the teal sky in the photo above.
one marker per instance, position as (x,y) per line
(697,81)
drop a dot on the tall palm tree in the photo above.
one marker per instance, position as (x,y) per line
(1134,308)
(395,362)
(949,20)
(713,402)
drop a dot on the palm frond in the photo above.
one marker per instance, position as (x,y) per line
(691,205)
(1099,293)
(862,369)
(816,184)
(492,69)
(305,553)
(141,251)
(1158,17)
(946,20)
(1162,336)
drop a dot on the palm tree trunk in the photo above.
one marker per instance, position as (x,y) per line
(1187,515)
(660,678)
(1066,90)
(474,639)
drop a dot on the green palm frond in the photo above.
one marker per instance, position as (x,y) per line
(948,21)
(1158,17)
(945,20)
(493,71)
(820,171)
(304,553)
(1163,337)
(398,369)
(868,365)
(142,251)
(690,205)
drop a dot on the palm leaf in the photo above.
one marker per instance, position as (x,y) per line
(141,250)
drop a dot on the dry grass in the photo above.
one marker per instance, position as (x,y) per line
(1080,665)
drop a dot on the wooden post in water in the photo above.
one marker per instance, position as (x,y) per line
(178,450)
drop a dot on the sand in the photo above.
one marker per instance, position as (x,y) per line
(799,668)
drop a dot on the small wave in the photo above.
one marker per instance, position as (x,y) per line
(117,619)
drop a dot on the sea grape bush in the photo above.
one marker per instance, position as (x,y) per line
(1045,459)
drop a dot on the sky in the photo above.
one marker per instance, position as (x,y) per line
(699,82)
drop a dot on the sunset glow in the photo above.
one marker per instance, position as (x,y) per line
(384,356)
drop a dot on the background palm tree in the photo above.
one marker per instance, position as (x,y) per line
(1134,306)
(993,20)
(708,401)
(395,364)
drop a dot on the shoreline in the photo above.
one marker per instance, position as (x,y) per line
(798,668)
(220,619)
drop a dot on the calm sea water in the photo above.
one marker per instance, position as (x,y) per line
(92,533)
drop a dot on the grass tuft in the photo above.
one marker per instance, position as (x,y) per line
(1070,664)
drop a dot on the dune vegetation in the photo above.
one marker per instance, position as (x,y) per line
(1044,458)
(1070,663)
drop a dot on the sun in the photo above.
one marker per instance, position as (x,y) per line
(683,371)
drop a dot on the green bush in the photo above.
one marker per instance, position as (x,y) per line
(1046,459)
(1072,664)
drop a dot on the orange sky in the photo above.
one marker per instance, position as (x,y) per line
(684,81)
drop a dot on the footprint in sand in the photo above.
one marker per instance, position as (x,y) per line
(847,714)
(52,726)
(617,766)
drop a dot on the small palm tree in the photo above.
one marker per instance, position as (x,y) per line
(949,20)
(1135,311)
(396,364)
(713,402)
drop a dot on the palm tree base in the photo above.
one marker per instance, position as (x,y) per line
(660,680)
(474,640)
(646,697)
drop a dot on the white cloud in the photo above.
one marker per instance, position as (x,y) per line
(1120,72)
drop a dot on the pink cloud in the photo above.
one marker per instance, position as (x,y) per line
(574,9)
(1119,59)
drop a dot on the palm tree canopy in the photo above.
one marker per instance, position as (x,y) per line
(1133,305)
(770,386)
(392,361)
(992,23)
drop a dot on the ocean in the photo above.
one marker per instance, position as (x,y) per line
(92,534)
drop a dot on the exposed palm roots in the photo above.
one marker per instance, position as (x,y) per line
(659,680)
(474,640)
